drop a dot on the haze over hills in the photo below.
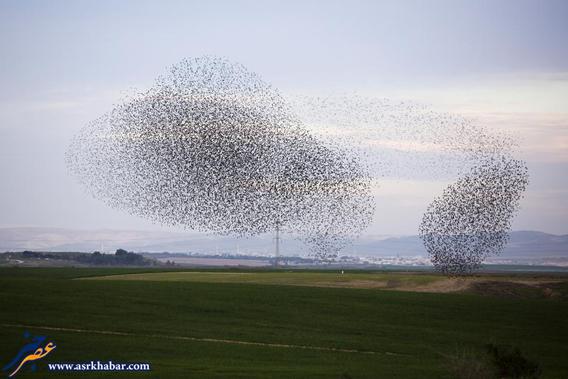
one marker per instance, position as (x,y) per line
(523,244)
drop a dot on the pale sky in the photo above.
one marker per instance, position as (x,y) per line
(64,63)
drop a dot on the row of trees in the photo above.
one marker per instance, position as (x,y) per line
(120,258)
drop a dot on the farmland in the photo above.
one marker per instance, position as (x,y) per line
(300,324)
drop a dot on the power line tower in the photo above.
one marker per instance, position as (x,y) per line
(277,244)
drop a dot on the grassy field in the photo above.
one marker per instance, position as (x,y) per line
(233,324)
(532,285)
(297,278)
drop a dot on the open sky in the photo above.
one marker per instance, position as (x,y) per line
(64,63)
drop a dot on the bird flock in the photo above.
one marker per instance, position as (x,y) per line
(212,147)
(472,218)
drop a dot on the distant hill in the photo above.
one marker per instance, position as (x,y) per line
(59,239)
(523,244)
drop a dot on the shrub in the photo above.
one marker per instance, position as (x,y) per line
(510,363)
(466,364)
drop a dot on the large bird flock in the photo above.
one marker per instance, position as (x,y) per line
(212,147)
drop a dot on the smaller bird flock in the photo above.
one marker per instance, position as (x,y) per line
(471,219)
(212,147)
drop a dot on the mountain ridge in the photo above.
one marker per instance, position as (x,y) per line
(522,243)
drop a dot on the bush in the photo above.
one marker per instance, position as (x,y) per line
(510,363)
(466,364)
(499,362)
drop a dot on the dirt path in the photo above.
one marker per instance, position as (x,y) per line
(198,339)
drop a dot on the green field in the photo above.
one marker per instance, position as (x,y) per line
(256,324)
(297,278)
